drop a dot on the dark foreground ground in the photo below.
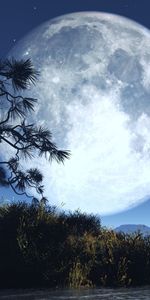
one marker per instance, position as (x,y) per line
(75,294)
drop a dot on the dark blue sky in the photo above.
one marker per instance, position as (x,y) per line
(18,17)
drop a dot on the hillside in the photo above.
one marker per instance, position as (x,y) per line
(132,228)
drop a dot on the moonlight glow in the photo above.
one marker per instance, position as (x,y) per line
(94,95)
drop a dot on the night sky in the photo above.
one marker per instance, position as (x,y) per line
(18,17)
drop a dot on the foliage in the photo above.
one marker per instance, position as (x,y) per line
(41,246)
(26,140)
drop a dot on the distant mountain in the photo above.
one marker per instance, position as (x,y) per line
(132,228)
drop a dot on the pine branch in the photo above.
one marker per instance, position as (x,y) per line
(26,139)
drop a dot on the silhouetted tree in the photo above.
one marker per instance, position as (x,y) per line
(25,139)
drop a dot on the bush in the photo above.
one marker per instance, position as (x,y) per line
(41,247)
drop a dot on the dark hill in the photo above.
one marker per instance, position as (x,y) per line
(132,228)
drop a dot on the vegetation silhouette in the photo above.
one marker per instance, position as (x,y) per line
(25,139)
(43,247)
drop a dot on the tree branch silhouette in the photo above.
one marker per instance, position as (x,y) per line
(26,139)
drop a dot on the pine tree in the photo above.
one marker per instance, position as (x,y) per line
(24,138)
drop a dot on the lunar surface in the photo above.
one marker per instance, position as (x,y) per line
(94,95)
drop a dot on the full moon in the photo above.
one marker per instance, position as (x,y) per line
(94,95)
